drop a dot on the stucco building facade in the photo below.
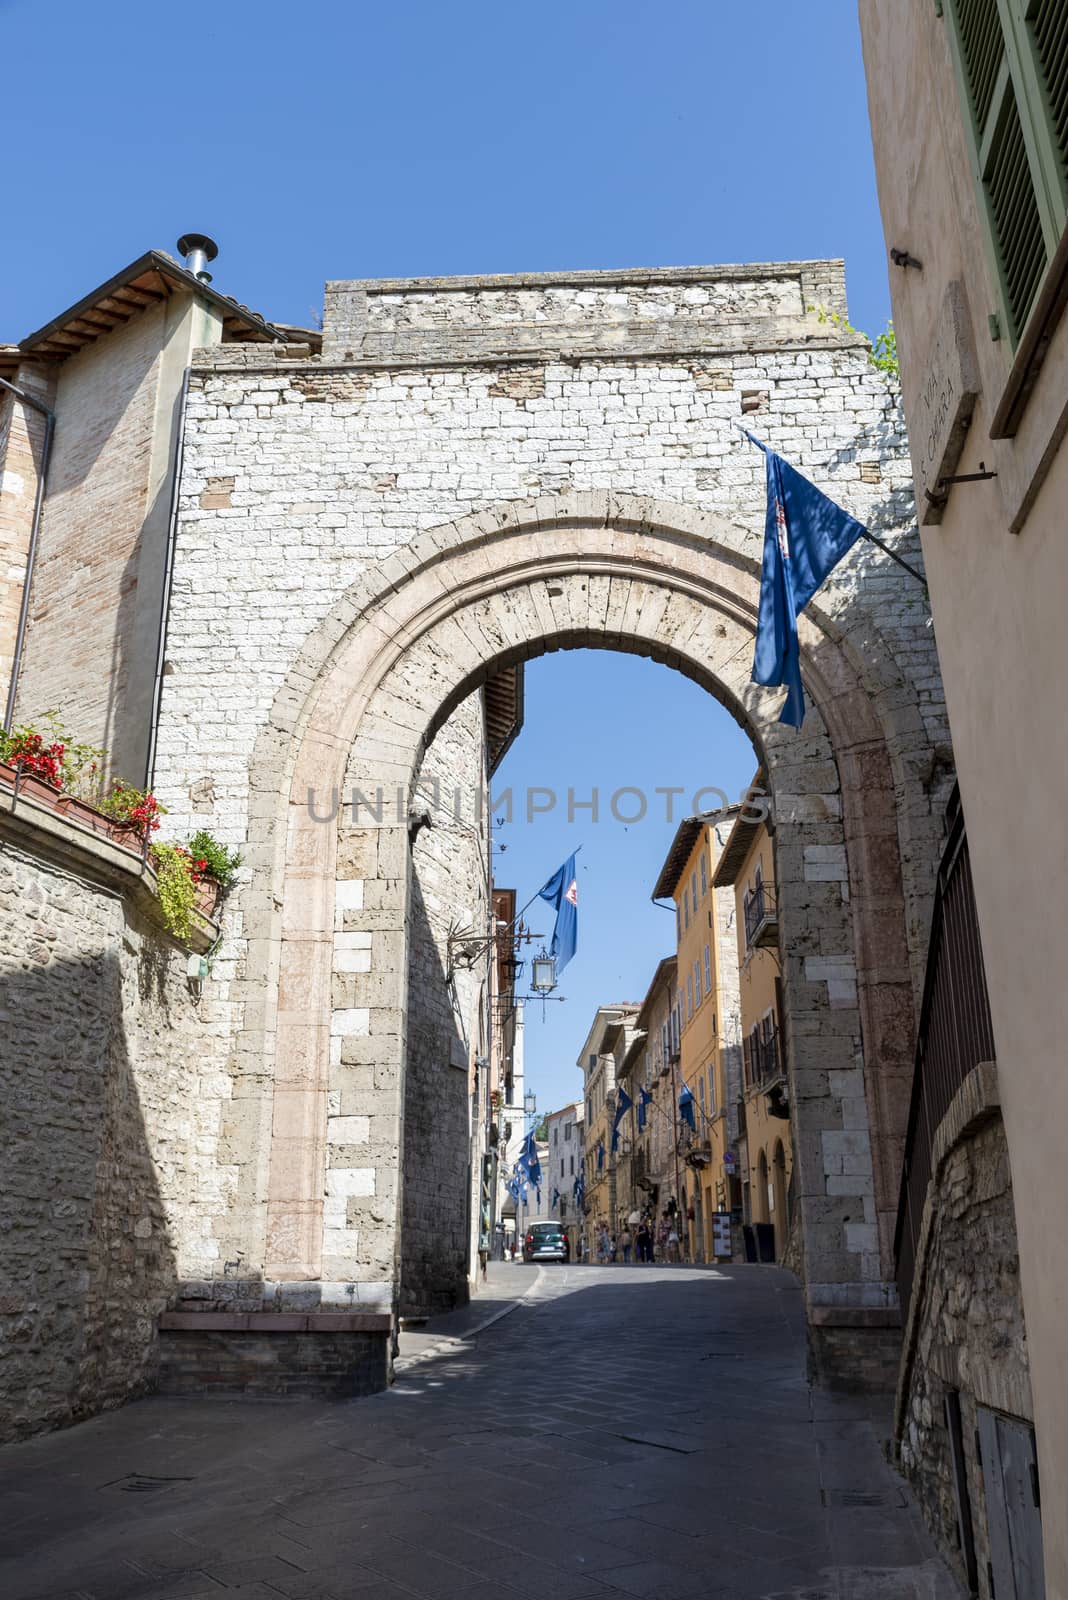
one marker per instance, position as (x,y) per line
(970,142)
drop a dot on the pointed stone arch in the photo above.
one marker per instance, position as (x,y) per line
(410,639)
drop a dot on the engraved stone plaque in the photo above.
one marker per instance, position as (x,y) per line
(947,399)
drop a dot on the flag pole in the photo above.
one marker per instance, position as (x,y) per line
(866,532)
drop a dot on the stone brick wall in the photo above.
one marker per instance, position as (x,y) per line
(330,468)
(446,1021)
(22,433)
(112,1088)
(85,590)
(966,1332)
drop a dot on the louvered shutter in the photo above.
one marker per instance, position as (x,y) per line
(1000,156)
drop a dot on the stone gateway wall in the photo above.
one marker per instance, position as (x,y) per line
(966,1328)
(111,1100)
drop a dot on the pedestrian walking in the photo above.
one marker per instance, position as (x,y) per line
(626,1244)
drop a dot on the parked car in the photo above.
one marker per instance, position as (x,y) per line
(546,1241)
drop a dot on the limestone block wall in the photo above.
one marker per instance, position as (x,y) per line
(968,1332)
(112,1096)
(486,395)
(447,1023)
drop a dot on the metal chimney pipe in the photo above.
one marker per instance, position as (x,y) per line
(197,250)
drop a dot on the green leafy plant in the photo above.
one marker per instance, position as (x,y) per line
(882,349)
(218,861)
(176,885)
(139,809)
(25,747)
(83,764)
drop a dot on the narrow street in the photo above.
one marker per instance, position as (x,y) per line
(622,1431)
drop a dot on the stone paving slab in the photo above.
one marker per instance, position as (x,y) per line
(617,1433)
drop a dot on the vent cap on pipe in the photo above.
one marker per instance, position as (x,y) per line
(197,250)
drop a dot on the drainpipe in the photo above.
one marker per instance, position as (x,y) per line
(31,554)
(168,576)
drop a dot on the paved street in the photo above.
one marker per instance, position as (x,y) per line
(637,1432)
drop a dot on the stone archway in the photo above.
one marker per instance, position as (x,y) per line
(411,639)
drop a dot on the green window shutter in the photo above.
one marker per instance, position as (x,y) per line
(1019,241)
(1043,28)
(982,49)
(1002,79)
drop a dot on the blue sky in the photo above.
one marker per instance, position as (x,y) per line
(333,140)
(600,721)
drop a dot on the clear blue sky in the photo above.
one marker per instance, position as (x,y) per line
(333,140)
(598,720)
(339,140)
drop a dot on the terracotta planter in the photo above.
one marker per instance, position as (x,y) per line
(80,811)
(126,834)
(7,775)
(208,890)
(31,787)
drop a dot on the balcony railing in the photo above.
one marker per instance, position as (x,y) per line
(955,1035)
(762,1058)
(761,918)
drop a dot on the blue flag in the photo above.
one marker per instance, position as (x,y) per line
(686,1111)
(623,1105)
(561,892)
(805,535)
(527,1162)
(555,1201)
(644,1099)
(600,1156)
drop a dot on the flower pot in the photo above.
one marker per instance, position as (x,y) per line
(7,775)
(81,812)
(126,834)
(207,899)
(32,787)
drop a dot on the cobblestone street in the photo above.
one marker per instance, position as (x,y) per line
(642,1432)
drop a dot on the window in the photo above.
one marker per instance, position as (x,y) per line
(701,1097)
(556,1135)
(572,1173)
(567,1131)
(589,1108)
(708,969)
(686,910)
(1011,58)
(561,1166)
(592,1062)
(704,876)
(712,1090)
(693,890)
(697,984)
(689,997)
(678,921)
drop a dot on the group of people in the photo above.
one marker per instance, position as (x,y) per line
(646,1241)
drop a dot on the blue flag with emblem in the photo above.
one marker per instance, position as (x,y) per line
(528,1162)
(561,892)
(645,1100)
(623,1105)
(805,535)
(686,1111)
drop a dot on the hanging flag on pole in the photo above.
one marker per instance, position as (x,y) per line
(805,535)
(527,1162)
(644,1099)
(686,1111)
(623,1105)
(561,892)
(555,1201)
